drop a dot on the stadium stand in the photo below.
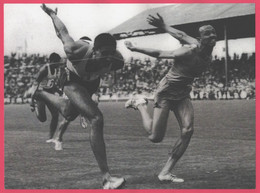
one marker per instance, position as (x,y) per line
(141,77)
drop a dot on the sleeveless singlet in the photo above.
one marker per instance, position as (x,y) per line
(49,81)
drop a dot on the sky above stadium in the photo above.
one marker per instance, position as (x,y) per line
(27,27)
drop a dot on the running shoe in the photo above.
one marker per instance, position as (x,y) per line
(58,145)
(133,103)
(114,183)
(50,141)
(170,177)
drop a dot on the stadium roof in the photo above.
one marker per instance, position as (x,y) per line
(239,19)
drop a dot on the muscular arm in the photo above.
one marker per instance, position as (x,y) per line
(61,29)
(181,36)
(178,34)
(183,51)
(147,51)
(178,53)
(73,49)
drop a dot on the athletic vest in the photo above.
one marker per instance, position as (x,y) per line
(49,81)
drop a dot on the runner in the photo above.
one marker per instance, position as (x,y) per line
(86,64)
(46,80)
(173,90)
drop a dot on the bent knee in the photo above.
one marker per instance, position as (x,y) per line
(41,117)
(65,121)
(96,119)
(187,131)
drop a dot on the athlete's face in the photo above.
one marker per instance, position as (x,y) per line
(104,57)
(208,35)
(106,51)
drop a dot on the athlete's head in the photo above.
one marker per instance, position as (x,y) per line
(54,57)
(106,57)
(105,41)
(208,35)
(104,49)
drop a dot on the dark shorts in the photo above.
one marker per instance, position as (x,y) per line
(67,77)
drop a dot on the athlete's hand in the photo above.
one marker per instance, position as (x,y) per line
(129,45)
(156,22)
(48,10)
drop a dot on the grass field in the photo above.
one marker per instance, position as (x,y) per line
(221,154)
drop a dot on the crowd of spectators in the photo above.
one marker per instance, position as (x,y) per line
(240,84)
(142,77)
(19,73)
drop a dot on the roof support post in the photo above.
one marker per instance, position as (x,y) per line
(227,55)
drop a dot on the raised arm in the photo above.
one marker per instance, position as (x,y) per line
(59,26)
(179,35)
(73,49)
(183,51)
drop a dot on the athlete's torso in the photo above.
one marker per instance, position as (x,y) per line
(88,68)
(79,66)
(49,81)
(191,65)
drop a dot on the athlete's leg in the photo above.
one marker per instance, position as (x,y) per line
(54,120)
(155,127)
(63,105)
(81,99)
(185,115)
(63,125)
(40,110)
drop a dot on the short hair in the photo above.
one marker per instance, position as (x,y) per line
(54,57)
(104,39)
(205,27)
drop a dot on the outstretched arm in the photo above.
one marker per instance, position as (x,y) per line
(150,52)
(59,26)
(183,51)
(179,35)
(73,49)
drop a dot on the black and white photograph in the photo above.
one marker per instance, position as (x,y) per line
(129,96)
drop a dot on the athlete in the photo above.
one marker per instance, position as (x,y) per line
(46,80)
(173,90)
(85,65)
